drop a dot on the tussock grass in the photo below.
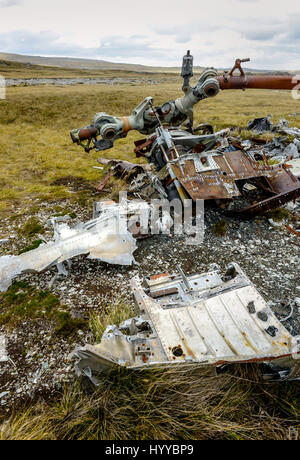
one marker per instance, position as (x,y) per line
(31,227)
(113,314)
(173,404)
(26,426)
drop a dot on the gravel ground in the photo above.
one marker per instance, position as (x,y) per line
(76,81)
(40,362)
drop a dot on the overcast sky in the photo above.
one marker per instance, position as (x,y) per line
(156,32)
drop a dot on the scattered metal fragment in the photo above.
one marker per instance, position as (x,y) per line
(295,132)
(103,183)
(203,320)
(275,148)
(3,353)
(123,169)
(291,151)
(295,167)
(292,230)
(266,205)
(283,320)
(139,216)
(260,125)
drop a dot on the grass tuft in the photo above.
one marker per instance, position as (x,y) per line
(220,228)
(36,244)
(22,302)
(279,214)
(32,227)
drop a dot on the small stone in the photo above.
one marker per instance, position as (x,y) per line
(251,308)
(275,224)
(272,331)
(262,316)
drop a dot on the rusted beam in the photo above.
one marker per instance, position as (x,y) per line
(266,205)
(163,293)
(290,229)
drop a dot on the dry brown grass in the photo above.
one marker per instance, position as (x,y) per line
(174,404)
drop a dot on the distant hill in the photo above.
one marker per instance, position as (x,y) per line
(83,64)
(100,65)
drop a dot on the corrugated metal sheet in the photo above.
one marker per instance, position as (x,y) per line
(203,320)
(220,329)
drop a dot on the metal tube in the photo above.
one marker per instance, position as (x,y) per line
(277,82)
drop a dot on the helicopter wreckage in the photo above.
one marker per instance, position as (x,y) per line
(190,162)
(205,320)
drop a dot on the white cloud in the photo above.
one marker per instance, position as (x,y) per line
(8,3)
(156,32)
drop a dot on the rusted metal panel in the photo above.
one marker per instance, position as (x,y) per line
(283,180)
(223,171)
(266,205)
(163,293)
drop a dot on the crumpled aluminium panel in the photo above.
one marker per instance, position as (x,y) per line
(143,219)
(110,237)
(203,320)
(100,238)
